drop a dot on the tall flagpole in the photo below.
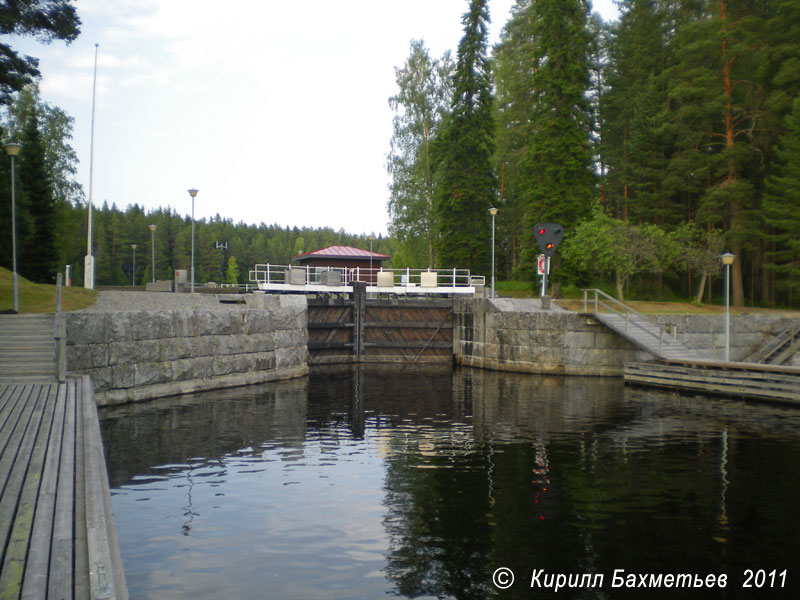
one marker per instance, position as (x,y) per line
(88,264)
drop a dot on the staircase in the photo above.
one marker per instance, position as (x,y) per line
(27,348)
(635,327)
(780,349)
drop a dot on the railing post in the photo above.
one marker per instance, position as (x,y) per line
(60,336)
(596,301)
(585,300)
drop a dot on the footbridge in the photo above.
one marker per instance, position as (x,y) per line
(333,280)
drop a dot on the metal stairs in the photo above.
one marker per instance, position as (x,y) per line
(635,327)
(28,348)
(780,349)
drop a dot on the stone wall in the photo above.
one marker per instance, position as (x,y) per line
(135,355)
(706,333)
(516,335)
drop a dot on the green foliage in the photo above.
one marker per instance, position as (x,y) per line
(544,117)
(37,251)
(466,184)
(605,245)
(781,205)
(232,274)
(44,20)
(424,93)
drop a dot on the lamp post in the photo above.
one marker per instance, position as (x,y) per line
(133,275)
(371,276)
(727,260)
(13,148)
(493,212)
(192,193)
(153,250)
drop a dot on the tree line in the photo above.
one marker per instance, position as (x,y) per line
(52,219)
(657,140)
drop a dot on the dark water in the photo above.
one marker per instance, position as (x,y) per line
(367,484)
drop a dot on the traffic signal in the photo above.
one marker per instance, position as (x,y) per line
(548,236)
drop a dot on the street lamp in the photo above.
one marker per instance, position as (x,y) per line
(192,193)
(727,260)
(13,148)
(153,249)
(493,212)
(371,276)
(133,275)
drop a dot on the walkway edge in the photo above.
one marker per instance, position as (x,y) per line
(106,574)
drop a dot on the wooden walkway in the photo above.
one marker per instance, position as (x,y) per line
(733,379)
(57,529)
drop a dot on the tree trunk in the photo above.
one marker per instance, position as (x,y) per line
(702,287)
(737,286)
(620,286)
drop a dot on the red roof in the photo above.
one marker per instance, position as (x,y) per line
(342,252)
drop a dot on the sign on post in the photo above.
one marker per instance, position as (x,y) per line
(541,264)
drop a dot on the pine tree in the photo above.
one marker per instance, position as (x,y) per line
(557,178)
(716,104)
(38,255)
(466,182)
(514,107)
(782,202)
(630,110)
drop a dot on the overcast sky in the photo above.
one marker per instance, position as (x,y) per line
(276,111)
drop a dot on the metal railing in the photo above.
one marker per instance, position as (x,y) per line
(626,312)
(421,279)
(60,336)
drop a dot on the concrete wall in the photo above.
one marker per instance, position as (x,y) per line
(516,335)
(135,355)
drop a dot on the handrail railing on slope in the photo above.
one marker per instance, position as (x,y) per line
(626,314)
(60,336)
(776,344)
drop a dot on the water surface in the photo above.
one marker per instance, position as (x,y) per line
(366,484)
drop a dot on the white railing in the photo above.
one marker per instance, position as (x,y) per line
(269,276)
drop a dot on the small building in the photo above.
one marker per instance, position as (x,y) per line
(345,257)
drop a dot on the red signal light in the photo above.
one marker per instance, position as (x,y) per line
(542,231)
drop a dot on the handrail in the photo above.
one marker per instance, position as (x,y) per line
(776,344)
(292,274)
(628,311)
(60,336)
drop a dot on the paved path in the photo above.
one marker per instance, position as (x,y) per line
(27,348)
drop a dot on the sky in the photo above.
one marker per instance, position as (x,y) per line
(276,111)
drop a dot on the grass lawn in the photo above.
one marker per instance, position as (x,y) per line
(41,298)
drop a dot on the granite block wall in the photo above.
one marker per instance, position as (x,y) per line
(491,335)
(135,355)
(519,336)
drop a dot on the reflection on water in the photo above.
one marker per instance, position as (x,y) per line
(364,484)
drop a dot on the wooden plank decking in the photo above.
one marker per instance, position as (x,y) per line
(733,379)
(57,530)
